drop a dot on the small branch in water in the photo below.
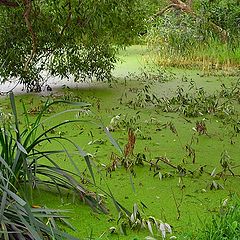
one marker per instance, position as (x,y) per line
(166,161)
(178,204)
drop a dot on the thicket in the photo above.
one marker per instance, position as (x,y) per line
(197,33)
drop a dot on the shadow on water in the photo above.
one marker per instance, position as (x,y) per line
(130,61)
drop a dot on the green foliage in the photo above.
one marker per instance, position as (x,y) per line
(192,101)
(207,38)
(21,221)
(225,14)
(66,38)
(25,166)
(175,32)
(225,224)
(143,96)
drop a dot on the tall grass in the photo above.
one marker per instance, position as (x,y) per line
(224,225)
(19,220)
(24,166)
(214,56)
(180,40)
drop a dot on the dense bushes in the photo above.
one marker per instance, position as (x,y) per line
(207,36)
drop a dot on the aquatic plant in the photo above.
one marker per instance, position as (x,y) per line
(25,166)
(137,220)
(20,220)
(225,223)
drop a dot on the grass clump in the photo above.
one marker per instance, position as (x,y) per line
(25,165)
(225,224)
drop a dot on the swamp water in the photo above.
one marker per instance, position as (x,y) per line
(176,172)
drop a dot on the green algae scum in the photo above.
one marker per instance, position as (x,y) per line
(162,143)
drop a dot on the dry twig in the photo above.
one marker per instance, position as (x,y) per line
(128,150)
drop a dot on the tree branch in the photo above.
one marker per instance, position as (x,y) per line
(162,11)
(8,3)
(26,15)
(59,39)
(68,18)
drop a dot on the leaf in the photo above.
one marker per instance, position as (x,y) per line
(143,225)
(145,206)
(160,175)
(215,185)
(87,159)
(21,148)
(149,227)
(162,229)
(135,210)
(132,218)
(68,224)
(25,114)
(154,220)
(30,228)
(4,231)
(213,173)
(19,200)
(168,227)
(43,137)
(4,163)
(14,110)
(123,229)
(3,205)
(112,140)
(70,158)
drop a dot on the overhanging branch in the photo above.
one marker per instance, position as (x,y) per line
(9,3)
(162,11)
(68,20)
(26,15)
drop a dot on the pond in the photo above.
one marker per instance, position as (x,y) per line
(184,160)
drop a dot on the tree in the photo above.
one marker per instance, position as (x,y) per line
(64,37)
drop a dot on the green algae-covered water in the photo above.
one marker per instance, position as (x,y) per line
(183,189)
